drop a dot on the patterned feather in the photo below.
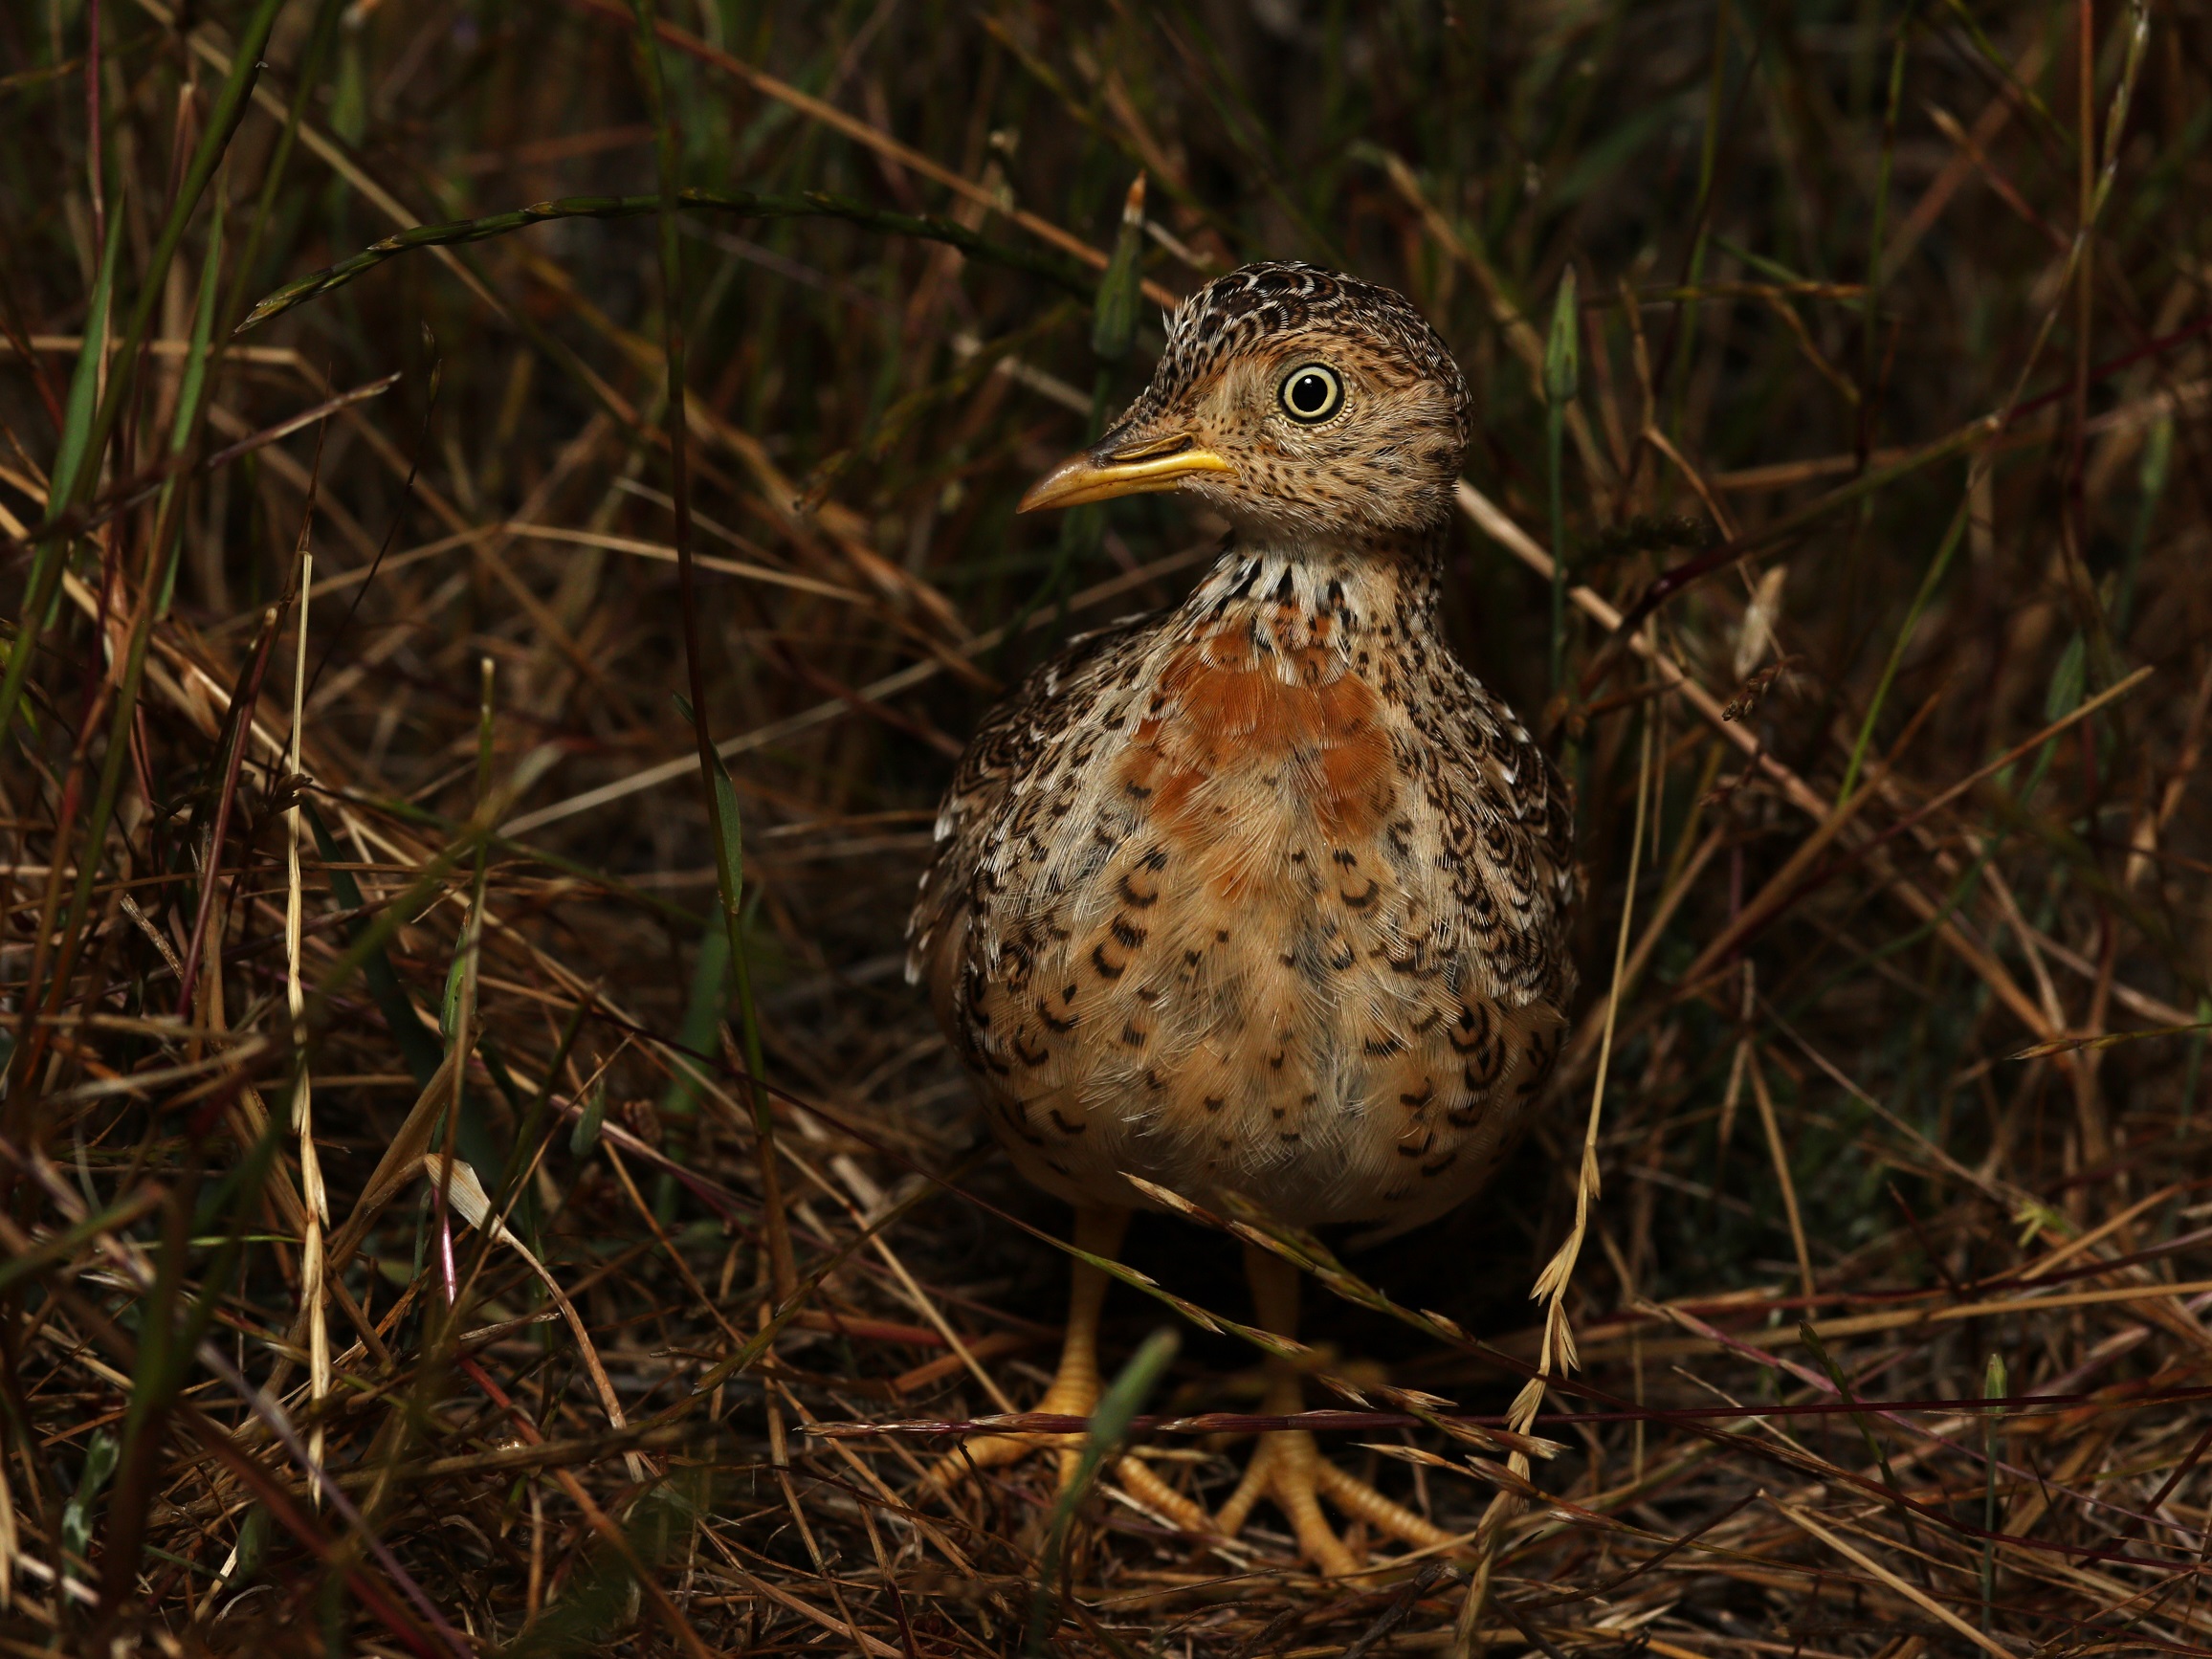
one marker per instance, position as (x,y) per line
(1266,892)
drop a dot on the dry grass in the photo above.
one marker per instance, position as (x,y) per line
(341,924)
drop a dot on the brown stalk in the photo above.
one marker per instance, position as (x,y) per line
(244,698)
(1783,1180)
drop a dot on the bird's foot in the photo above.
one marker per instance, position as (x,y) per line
(1289,1470)
(1066,1396)
(1071,1396)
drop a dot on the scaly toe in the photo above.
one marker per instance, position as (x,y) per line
(996,1450)
(1135,1478)
(1289,1470)
(1140,1483)
(1294,1483)
(991,1452)
(1354,1497)
(1256,1484)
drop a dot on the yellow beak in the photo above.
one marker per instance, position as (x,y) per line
(1126,469)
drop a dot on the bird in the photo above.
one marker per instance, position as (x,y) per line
(1262,899)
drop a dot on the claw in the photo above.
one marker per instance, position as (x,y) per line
(1287,1469)
(1075,1393)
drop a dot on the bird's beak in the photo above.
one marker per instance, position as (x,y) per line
(1120,466)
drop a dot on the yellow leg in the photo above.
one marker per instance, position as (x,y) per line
(1288,1467)
(1075,1387)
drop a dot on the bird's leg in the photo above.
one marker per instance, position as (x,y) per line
(1288,1467)
(1075,1387)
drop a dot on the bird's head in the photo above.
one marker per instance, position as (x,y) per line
(1305,405)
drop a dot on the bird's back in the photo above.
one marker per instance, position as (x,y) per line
(1265,893)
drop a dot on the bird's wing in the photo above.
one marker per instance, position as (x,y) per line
(1518,823)
(1008,743)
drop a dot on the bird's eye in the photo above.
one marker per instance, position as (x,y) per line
(1311,392)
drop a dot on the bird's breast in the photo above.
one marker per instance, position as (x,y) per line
(1237,739)
(1235,961)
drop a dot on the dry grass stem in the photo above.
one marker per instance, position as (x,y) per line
(473,1181)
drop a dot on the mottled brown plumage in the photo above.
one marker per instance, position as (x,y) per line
(1265,893)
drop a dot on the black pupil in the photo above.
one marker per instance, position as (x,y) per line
(1310,393)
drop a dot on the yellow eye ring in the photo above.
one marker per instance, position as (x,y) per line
(1311,393)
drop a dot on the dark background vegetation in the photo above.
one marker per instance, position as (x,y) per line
(1889,329)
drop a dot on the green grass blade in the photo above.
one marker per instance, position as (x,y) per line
(1563,373)
(428,881)
(307,78)
(68,461)
(1110,1423)
(702,1015)
(230,105)
(1876,1452)
(724,821)
(84,383)
(730,868)
(169,539)
(1928,583)
(92,436)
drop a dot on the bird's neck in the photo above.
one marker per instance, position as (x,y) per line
(1376,588)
